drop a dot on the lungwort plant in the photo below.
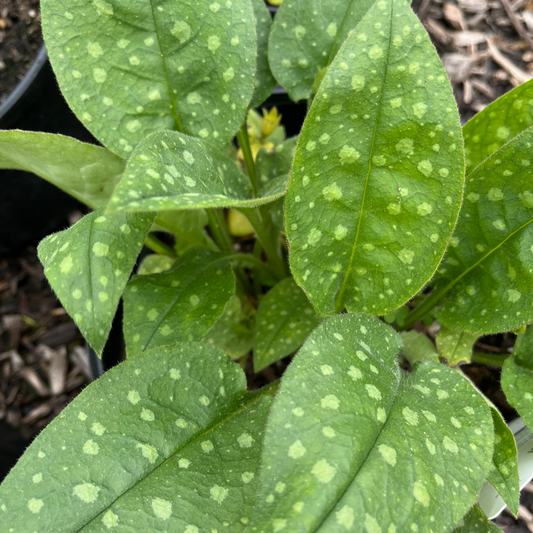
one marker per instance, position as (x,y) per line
(364,225)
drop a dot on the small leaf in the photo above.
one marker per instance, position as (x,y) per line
(155,264)
(181,304)
(275,163)
(170,171)
(264,81)
(517,384)
(130,70)
(306,36)
(169,441)
(87,172)
(475,521)
(504,474)
(487,276)
(285,318)
(352,442)
(417,347)
(88,266)
(497,124)
(455,346)
(523,349)
(228,333)
(377,180)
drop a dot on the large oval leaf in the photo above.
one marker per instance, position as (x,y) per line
(128,69)
(87,172)
(169,441)
(89,264)
(305,37)
(377,180)
(487,276)
(169,171)
(351,445)
(181,304)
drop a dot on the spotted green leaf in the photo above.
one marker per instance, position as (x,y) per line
(377,180)
(170,171)
(285,318)
(88,266)
(305,37)
(517,378)
(155,264)
(455,346)
(87,172)
(169,441)
(504,474)
(355,444)
(181,304)
(128,70)
(487,276)
(264,81)
(497,124)
(475,521)
(417,347)
(229,332)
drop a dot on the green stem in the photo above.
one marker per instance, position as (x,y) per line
(489,359)
(244,143)
(158,246)
(278,265)
(424,308)
(252,261)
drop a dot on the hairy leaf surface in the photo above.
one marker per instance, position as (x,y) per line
(497,124)
(264,81)
(87,172)
(504,474)
(155,264)
(455,346)
(377,180)
(523,349)
(417,347)
(169,171)
(487,276)
(475,521)
(88,266)
(285,318)
(169,441)
(130,69)
(305,37)
(181,304)
(352,445)
(229,333)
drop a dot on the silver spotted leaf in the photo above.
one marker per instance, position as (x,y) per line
(155,264)
(87,172)
(89,264)
(169,441)
(285,318)
(229,332)
(487,276)
(497,124)
(504,474)
(376,184)
(354,444)
(264,81)
(305,37)
(418,347)
(455,346)
(517,378)
(475,521)
(170,170)
(181,304)
(128,69)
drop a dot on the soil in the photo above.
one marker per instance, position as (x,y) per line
(20,39)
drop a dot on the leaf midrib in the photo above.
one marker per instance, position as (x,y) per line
(339,303)
(253,398)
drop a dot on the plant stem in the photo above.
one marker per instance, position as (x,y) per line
(244,143)
(425,307)
(489,359)
(159,247)
(278,265)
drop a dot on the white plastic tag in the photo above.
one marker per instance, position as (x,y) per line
(489,500)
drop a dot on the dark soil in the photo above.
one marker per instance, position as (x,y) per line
(20,39)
